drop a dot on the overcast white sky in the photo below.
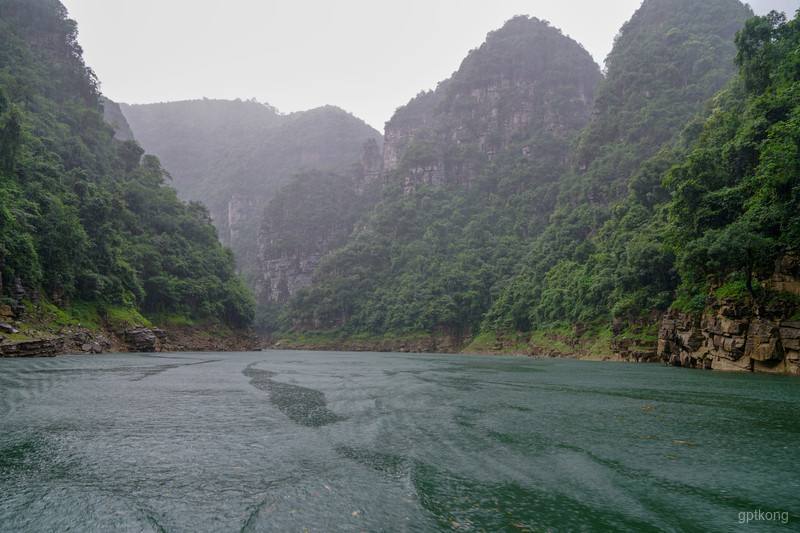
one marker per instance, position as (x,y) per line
(366,56)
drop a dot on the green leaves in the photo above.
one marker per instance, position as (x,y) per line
(735,205)
(84,217)
(757,50)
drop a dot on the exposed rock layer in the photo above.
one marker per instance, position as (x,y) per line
(739,335)
(733,338)
(134,340)
(33,348)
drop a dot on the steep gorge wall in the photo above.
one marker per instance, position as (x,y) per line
(527,80)
(312,215)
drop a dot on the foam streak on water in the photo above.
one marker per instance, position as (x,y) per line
(289,441)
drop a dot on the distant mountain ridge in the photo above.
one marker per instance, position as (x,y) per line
(527,90)
(469,167)
(233,155)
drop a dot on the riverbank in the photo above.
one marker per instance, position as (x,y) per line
(585,343)
(133,340)
(46,331)
(715,341)
(701,344)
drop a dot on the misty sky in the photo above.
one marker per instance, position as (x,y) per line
(366,56)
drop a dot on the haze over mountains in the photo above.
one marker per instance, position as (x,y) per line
(364,57)
(532,204)
(524,200)
(497,150)
(233,155)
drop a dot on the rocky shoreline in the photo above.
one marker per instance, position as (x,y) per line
(131,340)
(725,339)
(731,338)
(728,338)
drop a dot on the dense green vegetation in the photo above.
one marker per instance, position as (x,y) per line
(736,195)
(599,232)
(602,255)
(526,197)
(84,217)
(432,259)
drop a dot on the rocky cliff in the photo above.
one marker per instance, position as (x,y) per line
(112,113)
(310,216)
(744,335)
(731,338)
(526,80)
(468,172)
(369,169)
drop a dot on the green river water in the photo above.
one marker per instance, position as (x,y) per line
(297,441)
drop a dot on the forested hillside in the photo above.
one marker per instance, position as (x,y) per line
(529,203)
(471,174)
(734,215)
(601,255)
(234,155)
(89,229)
(438,256)
(680,192)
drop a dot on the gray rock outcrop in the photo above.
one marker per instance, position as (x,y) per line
(144,340)
(33,348)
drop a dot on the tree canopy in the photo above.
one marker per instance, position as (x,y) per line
(85,217)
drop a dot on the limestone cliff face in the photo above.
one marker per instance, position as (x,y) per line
(240,209)
(731,338)
(409,122)
(369,169)
(312,215)
(112,113)
(526,80)
(738,336)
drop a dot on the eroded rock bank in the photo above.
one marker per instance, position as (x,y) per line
(130,340)
(741,334)
(731,337)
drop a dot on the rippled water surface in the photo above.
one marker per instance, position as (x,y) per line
(294,441)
